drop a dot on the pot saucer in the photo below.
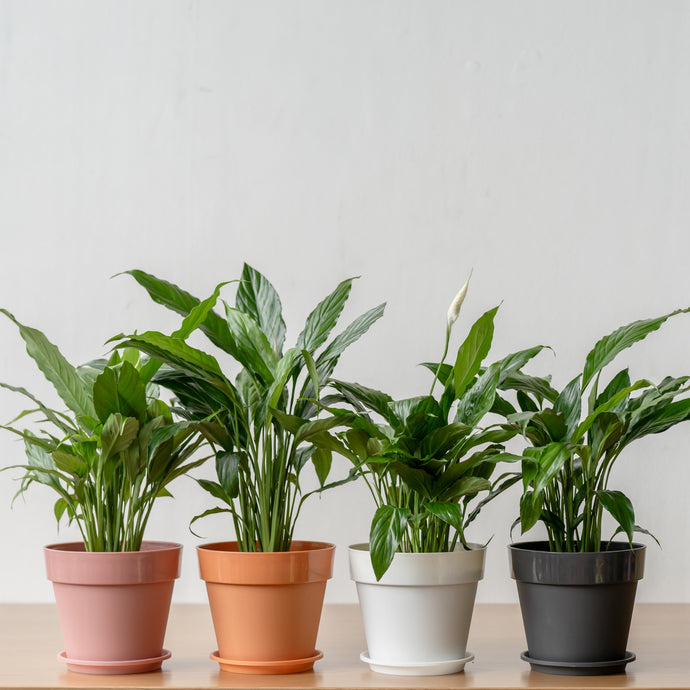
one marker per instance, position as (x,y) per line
(424,668)
(109,668)
(579,668)
(267,667)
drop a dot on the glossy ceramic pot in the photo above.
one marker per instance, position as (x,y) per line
(113,607)
(417,616)
(266,607)
(577,607)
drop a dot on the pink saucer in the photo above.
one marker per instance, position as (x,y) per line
(109,668)
(268,667)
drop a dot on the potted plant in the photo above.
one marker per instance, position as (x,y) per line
(577,589)
(429,462)
(108,458)
(265,589)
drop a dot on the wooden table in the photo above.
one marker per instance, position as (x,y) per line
(30,641)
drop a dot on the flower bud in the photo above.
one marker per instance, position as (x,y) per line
(455,305)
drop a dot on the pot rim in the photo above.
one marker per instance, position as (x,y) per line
(70,563)
(426,569)
(305,546)
(532,562)
(306,562)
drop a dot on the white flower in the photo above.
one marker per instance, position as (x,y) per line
(455,305)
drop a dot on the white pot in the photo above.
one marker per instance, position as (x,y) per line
(417,617)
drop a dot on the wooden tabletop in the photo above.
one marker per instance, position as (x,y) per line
(660,636)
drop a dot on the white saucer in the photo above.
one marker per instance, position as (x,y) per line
(424,668)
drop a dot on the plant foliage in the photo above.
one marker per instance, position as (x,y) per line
(112,453)
(427,461)
(259,420)
(567,469)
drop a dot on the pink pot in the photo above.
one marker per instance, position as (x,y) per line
(113,607)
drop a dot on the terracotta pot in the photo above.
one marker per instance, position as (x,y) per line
(417,616)
(266,607)
(113,607)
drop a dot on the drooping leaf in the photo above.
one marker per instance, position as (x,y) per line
(228,469)
(366,397)
(322,459)
(387,530)
(618,505)
(64,377)
(181,302)
(535,385)
(512,364)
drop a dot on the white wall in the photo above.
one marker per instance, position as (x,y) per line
(544,144)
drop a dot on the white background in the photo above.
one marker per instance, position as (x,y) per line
(543,144)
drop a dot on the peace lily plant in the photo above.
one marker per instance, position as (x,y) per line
(111,453)
(429,461)
(258,418)
(579,433)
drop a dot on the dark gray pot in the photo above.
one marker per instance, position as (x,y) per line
(577,607)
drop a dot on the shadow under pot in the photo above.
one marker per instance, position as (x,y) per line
(577,607)
(113,606)
(266,606)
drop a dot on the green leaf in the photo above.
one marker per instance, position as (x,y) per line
(530,511)
(551,459)
(59,509)
(254,352)
(322,320)
(618,505)
(569,404)
(619,382)
(622,338)
(313,373)
(473,350)
(181,302)
(177,354)
(479,399)
(118,434)
(257,298)
(276,388)
(119,391)
(351,334)
(400,411)
(658,420)
(199,314)
(610,404)
(512,364)
(363,397)
(441,440)
(387,530)
(64,377)
(228,470)
(535,385)
(322,459)
(71,464)
(445,371)
(450,513)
